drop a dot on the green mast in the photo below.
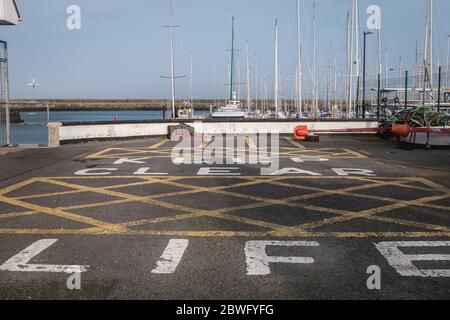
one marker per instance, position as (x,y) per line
(232,63)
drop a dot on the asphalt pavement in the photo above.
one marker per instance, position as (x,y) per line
(349,217)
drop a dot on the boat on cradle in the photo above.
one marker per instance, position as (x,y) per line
(439,137)
(232,110)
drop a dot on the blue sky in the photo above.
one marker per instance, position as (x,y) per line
(122,49)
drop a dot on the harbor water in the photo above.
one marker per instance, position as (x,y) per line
(33,129)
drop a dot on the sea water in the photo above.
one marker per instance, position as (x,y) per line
(33,130)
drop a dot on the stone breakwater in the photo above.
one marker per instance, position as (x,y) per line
(101,105)
(110,104)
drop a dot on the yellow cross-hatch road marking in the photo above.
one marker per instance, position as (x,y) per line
(295,143)
(159,144)
(294,151)
(247,206)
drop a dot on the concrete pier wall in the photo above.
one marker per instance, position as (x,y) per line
(76,132)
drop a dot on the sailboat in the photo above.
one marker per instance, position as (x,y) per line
(233,109)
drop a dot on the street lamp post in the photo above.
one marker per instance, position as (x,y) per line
(364,76)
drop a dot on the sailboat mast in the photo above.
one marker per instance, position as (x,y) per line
(431,45)
(256,82)
(356,24)
(425,58)
(315,82)
(276,66)
(386,58)
(237,81)
(351,47)
(299,63)
(330,64)
(232,89)
(335,90)
(172,59)
(428,51)
(248,81)
(379,63)
(448,61)
(191,84)
(349,64)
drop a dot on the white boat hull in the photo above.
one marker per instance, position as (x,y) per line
(228,115)
(436,139)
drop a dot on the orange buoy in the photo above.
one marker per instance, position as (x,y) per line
(403,130)
(301,133)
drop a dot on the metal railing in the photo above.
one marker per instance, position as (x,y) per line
(29,122)
(404,89)
(414,87)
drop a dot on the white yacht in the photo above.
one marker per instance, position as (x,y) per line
(232,110)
